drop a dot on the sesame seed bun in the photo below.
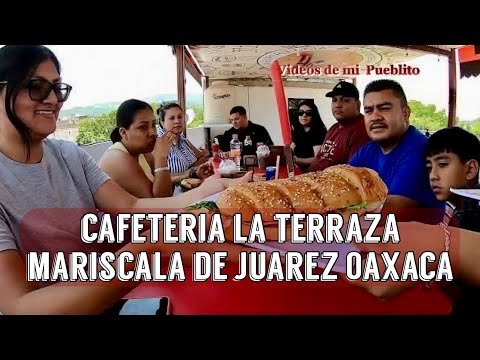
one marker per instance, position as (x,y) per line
(335,189)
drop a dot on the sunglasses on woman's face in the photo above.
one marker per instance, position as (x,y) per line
(307,113)
(40,89)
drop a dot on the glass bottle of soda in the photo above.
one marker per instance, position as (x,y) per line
(216,150)
(236,150)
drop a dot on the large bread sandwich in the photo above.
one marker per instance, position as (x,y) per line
(341,189)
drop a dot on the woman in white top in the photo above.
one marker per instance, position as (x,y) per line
(137,160)
(50,178)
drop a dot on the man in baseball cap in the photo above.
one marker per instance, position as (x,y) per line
(345,89)
(349,134)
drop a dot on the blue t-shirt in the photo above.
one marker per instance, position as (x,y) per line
(403,169)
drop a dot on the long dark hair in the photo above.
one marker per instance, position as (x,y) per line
(125,115)
(17,65)
(316,125)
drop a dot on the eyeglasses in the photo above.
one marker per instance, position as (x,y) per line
(40,89)
(301,113)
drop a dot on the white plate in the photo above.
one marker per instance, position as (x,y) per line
(470,193)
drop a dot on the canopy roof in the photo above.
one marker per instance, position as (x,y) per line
(244,63)
(250,65)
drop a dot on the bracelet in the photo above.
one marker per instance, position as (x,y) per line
(166,168)
(447,234)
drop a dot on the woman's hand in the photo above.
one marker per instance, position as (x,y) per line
(204,152)
(163,145)
(248,177)
(205,170)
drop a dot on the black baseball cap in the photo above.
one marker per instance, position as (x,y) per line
(344,88)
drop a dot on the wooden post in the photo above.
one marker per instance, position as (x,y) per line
(180,55)
(452,88)
(206,129)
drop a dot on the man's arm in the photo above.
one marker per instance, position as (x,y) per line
(357,159)
(355,142)
(398,202)
(418,238)
(410,185)
(318,163)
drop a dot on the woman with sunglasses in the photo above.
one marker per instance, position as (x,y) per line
(45,181)
(137,160)
(308,134)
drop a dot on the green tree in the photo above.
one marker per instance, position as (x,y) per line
(97,129)
(155,107)
(198,120)
(475,127)
(426,116)
(471,126)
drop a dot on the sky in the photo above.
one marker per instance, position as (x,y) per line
(105,73)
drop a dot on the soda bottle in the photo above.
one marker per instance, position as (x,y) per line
(216,150)
(236,150)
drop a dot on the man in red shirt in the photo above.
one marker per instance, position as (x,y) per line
(349,134)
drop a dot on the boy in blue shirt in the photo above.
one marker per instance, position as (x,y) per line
(396,151)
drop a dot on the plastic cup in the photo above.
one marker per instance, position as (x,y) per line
(270,173)
(262,162)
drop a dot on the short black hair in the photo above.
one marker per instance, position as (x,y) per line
(454,140)
(387,84)
(238,109)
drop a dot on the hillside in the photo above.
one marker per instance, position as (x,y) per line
(102,108)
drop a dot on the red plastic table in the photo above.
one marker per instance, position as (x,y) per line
(288,298)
